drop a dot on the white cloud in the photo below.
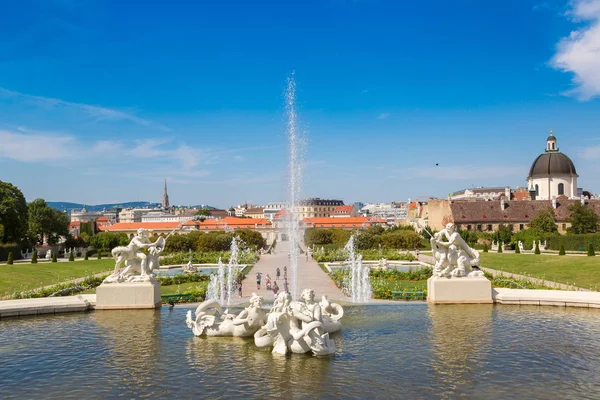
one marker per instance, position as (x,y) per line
(37,147)
(579,53)
(591,153)
(99,113)
(383,115)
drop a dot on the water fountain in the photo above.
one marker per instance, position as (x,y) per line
(297,147)
(232,267)
(359,281)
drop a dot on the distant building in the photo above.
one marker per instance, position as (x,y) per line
(84,215)
(316,207)
(160,216)
(480,193)
(272,208)
(344,223)
(344,212)
(387,211)
(130,215)
(165,198)
(255,212)
(552,174)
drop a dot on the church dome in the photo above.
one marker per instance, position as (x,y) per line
(552,163)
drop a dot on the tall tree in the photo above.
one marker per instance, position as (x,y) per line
(544,221)
(46,222)
(583,219)
(13,213)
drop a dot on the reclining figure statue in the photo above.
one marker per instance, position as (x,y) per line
(453,256)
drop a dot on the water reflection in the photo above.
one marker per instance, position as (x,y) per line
(133,347)
(403,350)
(459,333)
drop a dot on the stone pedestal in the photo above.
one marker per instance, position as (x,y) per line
(119,296)
(465,290)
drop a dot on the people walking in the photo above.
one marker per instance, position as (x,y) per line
(275,289)
(285,271)
(278,273)
(258,279)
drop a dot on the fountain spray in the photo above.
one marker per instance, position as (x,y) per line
(295,168)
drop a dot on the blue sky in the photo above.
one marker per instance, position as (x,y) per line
(100,101)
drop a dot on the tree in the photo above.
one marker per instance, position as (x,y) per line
(46,222)
(34,256)
(562,252)
(544,221)
(591,252)
(517,249)
(13,214)
(485,248)
(204,212)
(9,259)
(503,234)
(71,256)
(178,243)
(500,244)
(85,256)
(54,257)
(537,248)
(108,240)
(583,219)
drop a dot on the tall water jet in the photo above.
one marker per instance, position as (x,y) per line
(296,152)
(232,267)
(359,281)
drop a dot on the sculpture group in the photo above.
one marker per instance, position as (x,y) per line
(289,326)
(453,256)
(138,264)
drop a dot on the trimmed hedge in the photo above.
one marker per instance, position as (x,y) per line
(574,242)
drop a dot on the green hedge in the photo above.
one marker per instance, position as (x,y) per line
(10,248)
(574,242)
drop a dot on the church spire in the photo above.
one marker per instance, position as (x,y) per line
(165,198)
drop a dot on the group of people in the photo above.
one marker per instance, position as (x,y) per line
(273,286)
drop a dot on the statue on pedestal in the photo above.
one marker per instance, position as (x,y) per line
(453,256)
(138,265)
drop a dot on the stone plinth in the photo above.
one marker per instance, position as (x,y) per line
(118,296)
(465,290)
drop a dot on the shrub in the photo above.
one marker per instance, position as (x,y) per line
(537,248)
(591,251)
(8,248)
(485,248)
(85,257)
(54,256)
(34,257)
(71,256)
(9,259)
(562,250)
(500,244)
(99,256)
(572,242)
(517,249)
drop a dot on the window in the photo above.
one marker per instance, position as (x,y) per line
(490,227)
(521,226)
(537,190)
(564,227)
(479,228)
(468,227)
(561,188)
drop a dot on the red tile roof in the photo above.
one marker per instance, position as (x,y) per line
(349,222)
(132,226)
(343,210)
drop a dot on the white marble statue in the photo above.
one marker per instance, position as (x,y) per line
(520,244)
(48,254)
(300,327)
(189,268)
(453,256)
(138,265)
(246,323)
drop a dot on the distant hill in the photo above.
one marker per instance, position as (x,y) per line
(61,205)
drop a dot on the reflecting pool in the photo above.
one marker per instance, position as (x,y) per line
(400,350)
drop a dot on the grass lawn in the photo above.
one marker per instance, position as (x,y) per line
(175,289)
(583,272)
(18,277)
(409,286)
